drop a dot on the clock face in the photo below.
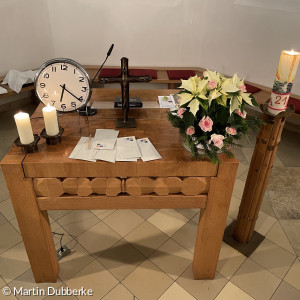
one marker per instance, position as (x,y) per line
(64,84)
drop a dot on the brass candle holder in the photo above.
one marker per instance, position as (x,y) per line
(54,139)
(28,148)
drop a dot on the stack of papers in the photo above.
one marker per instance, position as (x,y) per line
(107,146)
(167,102)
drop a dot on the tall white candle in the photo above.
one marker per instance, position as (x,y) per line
(285,75)
(24,128)
(50,119)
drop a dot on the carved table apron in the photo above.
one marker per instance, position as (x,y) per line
(48,180)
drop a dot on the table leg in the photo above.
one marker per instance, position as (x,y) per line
(34,224)
(212,222)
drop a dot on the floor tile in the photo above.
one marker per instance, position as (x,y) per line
(176,292)
(273,258)
(288,150)
(2,282)
(186,236)
(238,188)
(121,259)
(284,178)
(285,203)
(201,289)
(278,237)
(7,209)
(168,220)
(94,277)
(78,221)
(13,262)
(242,168)
(73,263)
(146,238)
(172,258)
(196,218)
(15,224)
(57,230)
(264,223)
(146,213)
(123,221)
(9,237)
(266,206)
(286,291)
(234,207)
(255,280)
(229,260)
(57,214)
(98,238)
(1,176)
(102,213)
(3,192)
(2,219)
(239,155)
(26,281)
(232,292)
(147,281)
(292,229)
(188,213)
(118,293)
(293,275)
(248,152)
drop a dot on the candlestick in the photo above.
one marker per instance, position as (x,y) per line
(285,75)
(50,119)
(24,128)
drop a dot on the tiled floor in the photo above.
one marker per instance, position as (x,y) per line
(147,254)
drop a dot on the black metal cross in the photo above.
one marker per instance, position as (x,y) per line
(124,79)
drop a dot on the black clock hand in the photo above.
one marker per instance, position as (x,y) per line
(62,93)
(71,93)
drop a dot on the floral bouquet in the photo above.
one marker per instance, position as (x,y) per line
(211,113)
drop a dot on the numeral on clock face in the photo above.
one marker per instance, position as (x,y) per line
(63,84)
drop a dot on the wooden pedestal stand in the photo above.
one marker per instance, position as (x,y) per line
(242,230)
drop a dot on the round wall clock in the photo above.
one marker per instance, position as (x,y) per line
(64,84)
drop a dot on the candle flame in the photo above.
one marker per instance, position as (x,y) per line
(292,52)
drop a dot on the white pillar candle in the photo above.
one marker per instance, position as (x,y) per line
(285,75)
(24,128)
(50,119)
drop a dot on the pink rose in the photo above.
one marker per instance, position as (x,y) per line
(190,130)
(206,124)
(217,139)
(180,112)
(243,115)
(243,88)
(212,84)
(230,130)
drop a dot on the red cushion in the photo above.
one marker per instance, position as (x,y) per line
(251,88)
(180,74)
(143,72)
(110,72)
(296,103)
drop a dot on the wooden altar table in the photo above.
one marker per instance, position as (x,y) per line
(49,180)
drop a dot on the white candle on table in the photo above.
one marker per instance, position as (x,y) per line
(50,119)
(24,128)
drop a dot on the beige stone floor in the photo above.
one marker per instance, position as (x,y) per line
(147,254)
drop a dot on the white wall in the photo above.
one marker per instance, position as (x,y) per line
(221,35)
(25,35)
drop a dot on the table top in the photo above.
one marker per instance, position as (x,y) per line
(53,161)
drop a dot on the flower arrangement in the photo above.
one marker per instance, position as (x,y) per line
(211,113)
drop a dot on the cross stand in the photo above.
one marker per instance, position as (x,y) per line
(124,79)
(240,234)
